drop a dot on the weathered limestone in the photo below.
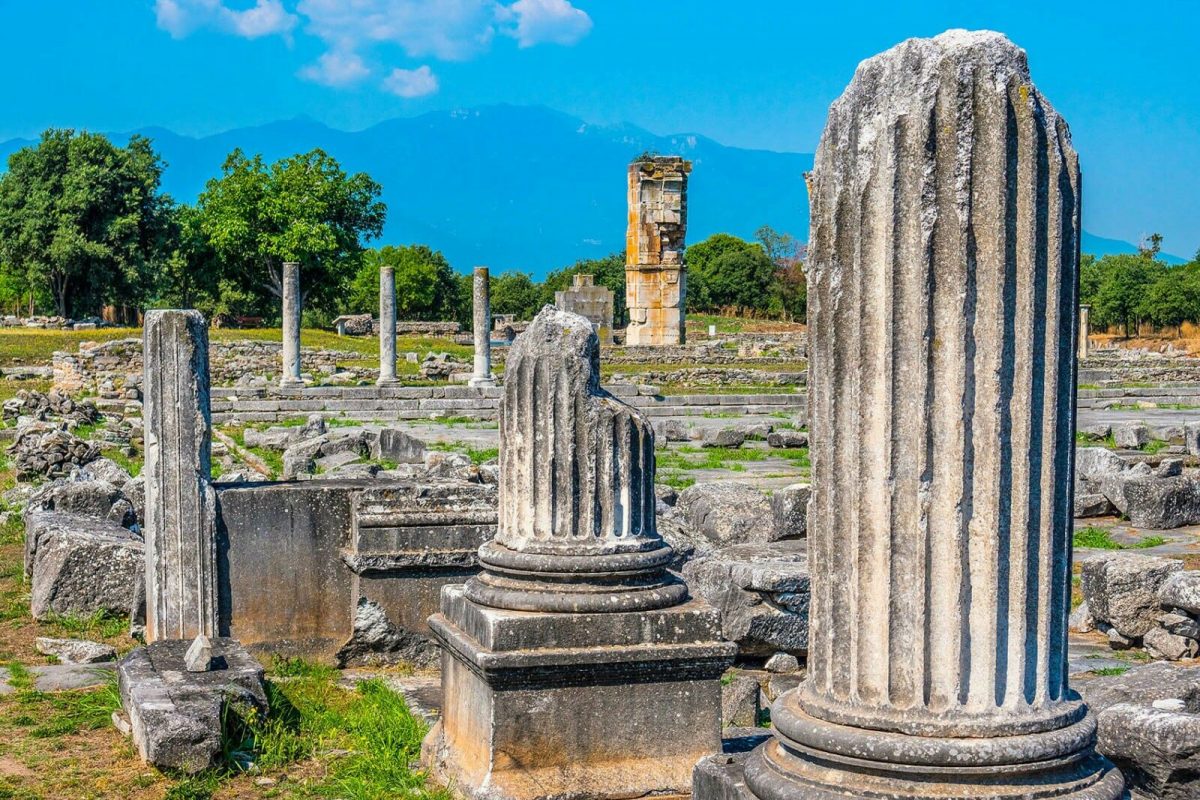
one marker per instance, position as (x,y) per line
(595,303)
(291,325)
(942,298)
(387,327)
(482,322)
(655,277)
(574,665)
(1085,327)
(181,555)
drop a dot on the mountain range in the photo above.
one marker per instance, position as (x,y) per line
(518,187)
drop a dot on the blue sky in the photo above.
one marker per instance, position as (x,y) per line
(755,74)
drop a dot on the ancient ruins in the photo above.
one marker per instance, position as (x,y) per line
(655,275)
(592,302)
(917,549)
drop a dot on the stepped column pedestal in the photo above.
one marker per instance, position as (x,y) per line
(574,664)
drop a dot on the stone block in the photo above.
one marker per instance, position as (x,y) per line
(1131,435)
(1157,750)
(399,446)
(80,565)
(762,592)
(789,506)
(176,716)
(75,651)
(741,704)
(727,513)
(1181,590)
(1122,589)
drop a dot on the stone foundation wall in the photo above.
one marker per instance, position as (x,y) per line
(116,366)
(371,403)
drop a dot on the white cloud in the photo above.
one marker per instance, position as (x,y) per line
(264,18)
(411,83)
(450,30)
(336,69)
(554,21)
(447,30)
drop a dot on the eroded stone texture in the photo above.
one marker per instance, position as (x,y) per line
(181,555)
(655,277)
(387,326)
(574,665)
(595,303)
(291,326)
(942,310)
(481,300)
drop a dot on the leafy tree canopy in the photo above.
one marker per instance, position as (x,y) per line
(725,271)
(83,220)
(426,286)
(302,208)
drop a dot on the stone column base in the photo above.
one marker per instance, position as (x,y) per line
(613,705)
(488,382)
(387,381)
(1021,767)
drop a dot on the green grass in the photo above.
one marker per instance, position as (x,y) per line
(100,623)
(1101,539)
(1108,671)
(1154,446)
(52,715)
(674,480)
(131,464)
(478,455)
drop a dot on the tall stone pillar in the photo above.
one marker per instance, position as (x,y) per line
(942,293)
(574,664)
(1085,327)
(482,322)
(291,325)
(655,277)
(180,532)
(387,326)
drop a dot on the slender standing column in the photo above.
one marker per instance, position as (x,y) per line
(291,325)
(574,665)
(1085,326)
(387,326)
(942,294)
(181,556)
(482,322)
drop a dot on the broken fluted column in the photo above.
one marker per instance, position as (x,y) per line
(942,294)
(181,556)
(574,665)
(291,325)
(387,326)
(482,324)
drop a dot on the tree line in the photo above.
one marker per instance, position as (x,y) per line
(1127,290)
(84,224)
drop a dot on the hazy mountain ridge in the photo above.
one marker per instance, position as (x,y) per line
(514,187)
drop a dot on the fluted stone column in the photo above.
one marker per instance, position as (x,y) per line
(942,292)
(1085,327)
(291,325)
(180,531)
(387,326)
(574,665)
(482,323)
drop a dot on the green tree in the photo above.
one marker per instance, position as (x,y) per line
(427,288)
(1123,283)
(1173,298)
(609,272)
(789,285)
(725,271)
(302,208)
(191,274)
(516,293)
(84,220)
